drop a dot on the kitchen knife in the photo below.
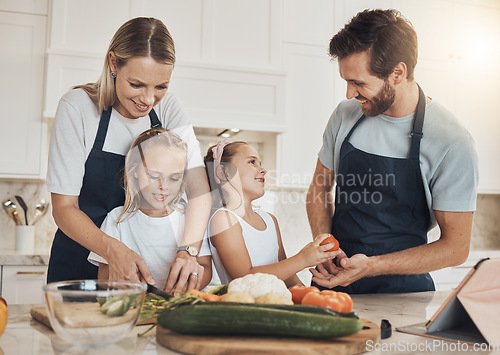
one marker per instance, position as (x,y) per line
(155,290)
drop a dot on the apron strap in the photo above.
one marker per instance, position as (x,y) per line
(155,122)
(418,124)
(103,129)
(346,139)
(104,124)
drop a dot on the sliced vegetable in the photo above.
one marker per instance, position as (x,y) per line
(117,306)
(218,290)
(234,319)
(152,307)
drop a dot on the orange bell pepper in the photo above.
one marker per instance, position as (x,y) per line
(337,301)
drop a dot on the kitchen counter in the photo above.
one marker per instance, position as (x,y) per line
(26,336)
(13,257)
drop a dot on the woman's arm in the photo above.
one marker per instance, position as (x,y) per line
(124,264)
(197,212)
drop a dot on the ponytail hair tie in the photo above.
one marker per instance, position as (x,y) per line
(217,151)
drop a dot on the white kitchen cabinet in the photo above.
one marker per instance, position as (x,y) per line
(23,133)
(37,7)
(228,69)
(23,283)
(309,89)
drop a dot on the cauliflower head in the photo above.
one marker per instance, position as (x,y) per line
(259,284)
(272,298)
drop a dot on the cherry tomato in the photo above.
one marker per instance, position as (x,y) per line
(298,292)
(331,239)
(337,301)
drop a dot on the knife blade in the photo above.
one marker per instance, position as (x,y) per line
(155,290)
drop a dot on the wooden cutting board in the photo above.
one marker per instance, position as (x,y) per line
(204,345)
(40,314)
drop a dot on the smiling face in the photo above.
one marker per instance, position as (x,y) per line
(375,95)
(160,179)
(140,84)
(250,174)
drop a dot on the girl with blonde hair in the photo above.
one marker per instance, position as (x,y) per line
(94,127)
(152,220)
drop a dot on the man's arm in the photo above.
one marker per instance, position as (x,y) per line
(319,200)
(451,249)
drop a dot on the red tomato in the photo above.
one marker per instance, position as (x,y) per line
(331,239)
(298,292)
(337,301)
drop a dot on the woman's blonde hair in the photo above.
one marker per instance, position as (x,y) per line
(138,37)
(152,138)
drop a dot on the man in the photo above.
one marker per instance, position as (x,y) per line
(395,173)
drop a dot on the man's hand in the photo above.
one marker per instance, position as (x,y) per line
(350,270)
(185,273)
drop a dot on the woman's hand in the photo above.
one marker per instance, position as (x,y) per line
(126,264)
(314,253)
(185,273)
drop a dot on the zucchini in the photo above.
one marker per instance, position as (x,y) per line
(236,319)
(287,307)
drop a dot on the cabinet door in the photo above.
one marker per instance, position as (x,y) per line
(23,284)
(22,130)
(38,7)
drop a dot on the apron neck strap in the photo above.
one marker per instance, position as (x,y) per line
(155,122)
(418,124)
(104,124)
(103,129)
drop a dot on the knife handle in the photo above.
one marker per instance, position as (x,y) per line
(17,219)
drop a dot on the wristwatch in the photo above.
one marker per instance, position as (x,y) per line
(192,250)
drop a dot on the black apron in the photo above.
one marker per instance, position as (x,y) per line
(380,208)
(102,191)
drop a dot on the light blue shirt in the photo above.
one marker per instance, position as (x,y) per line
(448,159)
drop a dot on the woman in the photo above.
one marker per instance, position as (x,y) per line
(93,128)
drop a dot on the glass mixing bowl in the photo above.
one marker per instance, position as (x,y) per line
(93,312)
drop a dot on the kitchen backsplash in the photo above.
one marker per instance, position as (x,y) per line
(288,205)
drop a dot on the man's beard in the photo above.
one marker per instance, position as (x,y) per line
(380,102)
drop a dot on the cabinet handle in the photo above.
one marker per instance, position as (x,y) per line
(31,272)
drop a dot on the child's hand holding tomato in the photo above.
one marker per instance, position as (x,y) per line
(330,239)
(319,251)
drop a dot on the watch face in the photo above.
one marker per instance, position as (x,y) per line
(192,250)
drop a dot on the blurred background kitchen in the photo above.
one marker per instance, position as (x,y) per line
(255,70)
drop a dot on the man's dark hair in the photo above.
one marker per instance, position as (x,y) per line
(388,36)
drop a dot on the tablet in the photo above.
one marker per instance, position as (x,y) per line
(471,312)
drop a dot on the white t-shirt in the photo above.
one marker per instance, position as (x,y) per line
(155,239)
(262,246)
(75,128)
(448,159)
